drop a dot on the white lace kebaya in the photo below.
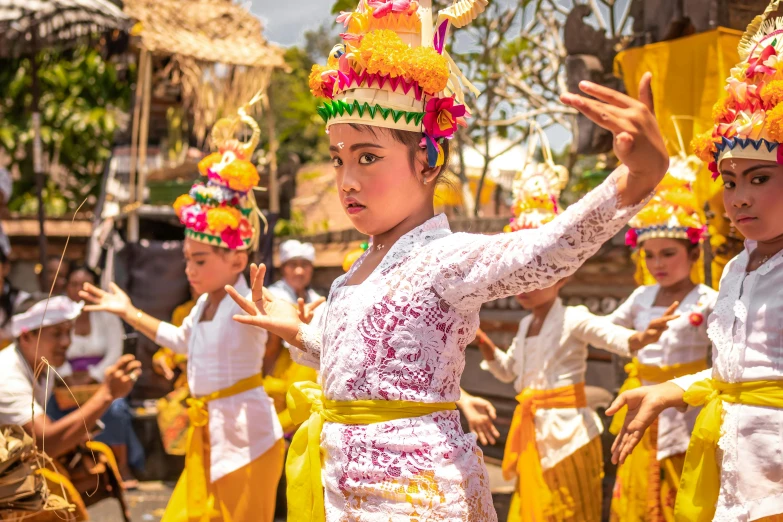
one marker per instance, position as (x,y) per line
(401,335)
(746,329)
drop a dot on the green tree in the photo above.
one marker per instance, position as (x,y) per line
(83,99)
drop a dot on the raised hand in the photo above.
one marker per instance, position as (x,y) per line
(644,405)
(638,143)
(655,329)
(307,311)
(116,302)
(120,377)
(265,311)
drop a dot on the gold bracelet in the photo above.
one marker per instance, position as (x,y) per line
(139,313)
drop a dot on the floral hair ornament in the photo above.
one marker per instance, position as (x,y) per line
(222,211)
(537,187)
(748,122)
(392,70)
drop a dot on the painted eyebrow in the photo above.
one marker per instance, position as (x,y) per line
(356,146)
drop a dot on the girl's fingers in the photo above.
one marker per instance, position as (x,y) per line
(672,308)
(116,289)
(645,92)
(93,290)
(257,320)
(301,304)
(618,403)
(607,95)
(90,298)
(94,308)
(599,113)
(244,304)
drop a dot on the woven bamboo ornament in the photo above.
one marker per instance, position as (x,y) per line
(392,70)
(749,121)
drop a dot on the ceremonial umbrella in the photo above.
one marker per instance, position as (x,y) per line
(27,27)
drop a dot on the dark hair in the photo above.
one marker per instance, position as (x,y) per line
(75,267)
(412,141)
(9,293)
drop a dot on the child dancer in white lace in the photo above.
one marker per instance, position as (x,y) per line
(733,469)
(390,343)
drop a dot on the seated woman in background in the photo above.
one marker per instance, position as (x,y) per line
(97,344)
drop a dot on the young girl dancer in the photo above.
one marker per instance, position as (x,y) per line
(234,457)
(733,469)
(668,231)
(390,343)
(554,444)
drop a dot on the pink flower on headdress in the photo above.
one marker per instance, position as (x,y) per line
(441,117)
(695,234)
(383,7)
(631,238)
(348,37)
(764,63)
(196,221)
(231,238)
(344,18)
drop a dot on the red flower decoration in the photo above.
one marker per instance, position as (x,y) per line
(383,7)
(631,238)
(756,65)
(231,238)
(440,117)
(695,234)
(696,318)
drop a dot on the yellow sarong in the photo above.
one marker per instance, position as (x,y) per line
(638,372)
(197,492)
(700,482)
(311,409)
(521,454)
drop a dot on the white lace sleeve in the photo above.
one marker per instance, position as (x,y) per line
(474,269)
(312,339)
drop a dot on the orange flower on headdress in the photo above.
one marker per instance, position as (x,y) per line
(222,218)
(208,161)
(240,175)
(183,201)
(772,93)
(428,68)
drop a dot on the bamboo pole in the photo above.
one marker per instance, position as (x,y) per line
(144,135)
(133,223)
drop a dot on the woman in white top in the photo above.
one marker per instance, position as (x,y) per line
(668,232)
(97,340)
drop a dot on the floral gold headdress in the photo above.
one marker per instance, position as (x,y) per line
(222,211)
(748,123)
(673,210)
(537,187)
(392,70)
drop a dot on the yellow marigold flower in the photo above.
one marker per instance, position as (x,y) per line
(221,218)
(721,111)
(428,68)
(704,146)
(240,175)
(775,123)
(315,81)
(183,201)
(384,52)
(208,161)
(772,93)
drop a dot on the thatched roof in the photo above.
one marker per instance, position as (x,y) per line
(205,30)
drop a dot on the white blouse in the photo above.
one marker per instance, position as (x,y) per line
(555,358)
(401,335)
(222,352)
(746,329)
(683,342)
(105,341)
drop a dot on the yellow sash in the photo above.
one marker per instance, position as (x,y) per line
(521,454)
(700,482)
(638,372)
(194,458)
(309,407)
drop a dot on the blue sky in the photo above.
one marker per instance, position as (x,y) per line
(286,20)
